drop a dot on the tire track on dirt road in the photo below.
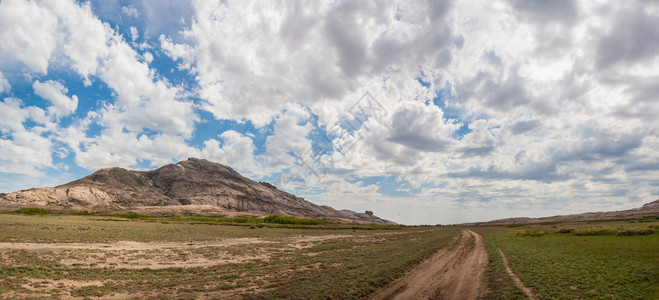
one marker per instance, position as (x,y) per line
(454,272)
(518,282)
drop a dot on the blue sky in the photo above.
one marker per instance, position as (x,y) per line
(423,112)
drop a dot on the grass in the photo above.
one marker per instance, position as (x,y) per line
(498,284)
(601,264)
(102,229)
(315,262)
(272,219)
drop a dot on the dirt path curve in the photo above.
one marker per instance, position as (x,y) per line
(454,272)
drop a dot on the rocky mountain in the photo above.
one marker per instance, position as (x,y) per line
(647,210)
(194,186)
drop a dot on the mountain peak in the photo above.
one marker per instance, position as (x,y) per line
(190,183)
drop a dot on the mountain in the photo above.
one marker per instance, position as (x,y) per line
(650,209)
(194,186)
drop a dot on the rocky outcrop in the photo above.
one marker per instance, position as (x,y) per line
(191,183)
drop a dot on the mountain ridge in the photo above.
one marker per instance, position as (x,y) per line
(193,186)
(650,209)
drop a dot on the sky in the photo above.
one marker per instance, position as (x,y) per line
(424,112)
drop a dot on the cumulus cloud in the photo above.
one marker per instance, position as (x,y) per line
(28,33)
(95,51)
(5,87)
(632,38)
(235,150)
(26,152)
(421,127)
(55,92)
(490,106)
(134,34)
(116,147)
(130,11)
(304,52)
(289,142)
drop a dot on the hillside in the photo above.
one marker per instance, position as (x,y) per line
(650,209)
(194,186)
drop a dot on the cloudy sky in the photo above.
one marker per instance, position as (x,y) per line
(423,112)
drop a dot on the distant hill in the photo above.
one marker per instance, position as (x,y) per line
(193,187)
(648,210)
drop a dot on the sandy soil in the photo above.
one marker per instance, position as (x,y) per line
(454,272)
(154,255)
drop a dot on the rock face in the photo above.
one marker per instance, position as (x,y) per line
(650,209)
(190,184)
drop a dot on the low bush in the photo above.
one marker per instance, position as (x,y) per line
(293,220)
(534,233)
(597,230)
(82,213)
(132,215)
(32,211)
(565,230)
(219,220)
(635,231)
(619,231)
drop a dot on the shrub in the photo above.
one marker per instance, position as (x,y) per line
(32,211)
(528,232)
(82,213)
(635,231)
(565,230)
(597,230)
(132,215)
(293,220)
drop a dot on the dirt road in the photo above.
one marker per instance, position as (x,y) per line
(454,272)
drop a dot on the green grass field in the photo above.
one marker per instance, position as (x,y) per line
(569,265)
(50,256)
(132,256)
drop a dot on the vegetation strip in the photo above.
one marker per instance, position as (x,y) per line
(514,277)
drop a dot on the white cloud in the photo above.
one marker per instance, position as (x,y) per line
(82,36)
(118,148)
(243,53)
(148,57)
(421,127)
(26,151)
(134,34)
(130,11)
(28,33)
(556,102)
(5,87)
(236,150)
(55,92)
(90,47)
(12,115)
(289,138)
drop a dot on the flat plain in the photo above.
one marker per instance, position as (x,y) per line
(615,259)
(65,256)
(131,256)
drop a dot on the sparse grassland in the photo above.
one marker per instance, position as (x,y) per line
(80,256)
(594,260)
